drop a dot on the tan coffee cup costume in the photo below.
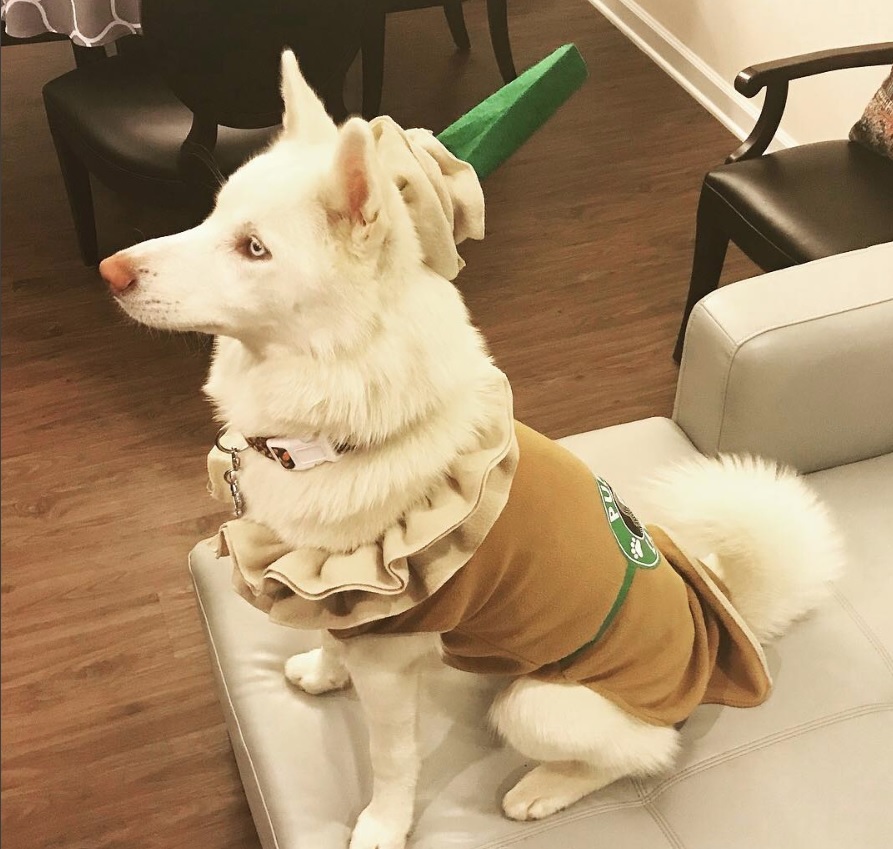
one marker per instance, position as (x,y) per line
(565,586)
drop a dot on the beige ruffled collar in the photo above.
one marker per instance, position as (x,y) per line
(312,588)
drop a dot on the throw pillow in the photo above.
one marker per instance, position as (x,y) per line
(875,128)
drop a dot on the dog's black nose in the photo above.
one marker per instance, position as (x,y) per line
(118,272)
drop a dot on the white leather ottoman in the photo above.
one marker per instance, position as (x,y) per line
(797,364)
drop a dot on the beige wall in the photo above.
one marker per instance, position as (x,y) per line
(704,43)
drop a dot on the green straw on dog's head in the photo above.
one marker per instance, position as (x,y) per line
(493,130)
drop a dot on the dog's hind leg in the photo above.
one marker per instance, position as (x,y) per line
(319,670)
(385,671)
(585,742)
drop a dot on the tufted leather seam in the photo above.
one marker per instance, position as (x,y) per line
(662,823)
(821,317)
(766,742)
(866,629)
(729,351)
(778,326)
(651,797)
(231,711)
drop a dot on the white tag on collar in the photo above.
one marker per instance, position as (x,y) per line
(299,455)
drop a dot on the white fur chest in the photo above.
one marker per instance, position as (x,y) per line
(335,506)
(343,504)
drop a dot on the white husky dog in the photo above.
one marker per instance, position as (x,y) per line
(309,272)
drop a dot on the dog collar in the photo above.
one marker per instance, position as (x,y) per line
(297,454)
(291,454)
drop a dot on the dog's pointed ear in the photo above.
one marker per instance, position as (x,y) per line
(355,194)
(305,118)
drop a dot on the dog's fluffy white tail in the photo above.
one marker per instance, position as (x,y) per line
(760,528)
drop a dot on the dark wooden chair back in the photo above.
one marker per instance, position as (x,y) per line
(176,110)
(221,57)
(793,205)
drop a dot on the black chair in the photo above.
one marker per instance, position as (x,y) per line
(182,106)
(795,205)
(374,40)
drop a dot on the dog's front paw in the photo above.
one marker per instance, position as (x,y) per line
(373,832)
(316,672)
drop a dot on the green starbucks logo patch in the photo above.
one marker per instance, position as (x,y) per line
(634,541)
(638,548)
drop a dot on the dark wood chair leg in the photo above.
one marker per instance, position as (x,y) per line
(497,17)
(86,57)
(372,47)
(80,198)
(711,243)
(452,9)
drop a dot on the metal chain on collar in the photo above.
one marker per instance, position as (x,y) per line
(231,476)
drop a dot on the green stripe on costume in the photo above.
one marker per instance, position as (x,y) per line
(628,576)
(637,546)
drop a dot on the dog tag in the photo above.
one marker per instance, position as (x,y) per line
(299,455)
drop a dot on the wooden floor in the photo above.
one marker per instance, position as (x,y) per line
(111,733)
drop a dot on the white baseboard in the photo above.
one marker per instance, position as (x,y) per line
(715,94)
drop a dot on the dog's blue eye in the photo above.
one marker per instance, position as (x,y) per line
(256,248)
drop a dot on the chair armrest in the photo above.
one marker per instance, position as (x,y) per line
(756,77)
(794,364)
(774,77)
